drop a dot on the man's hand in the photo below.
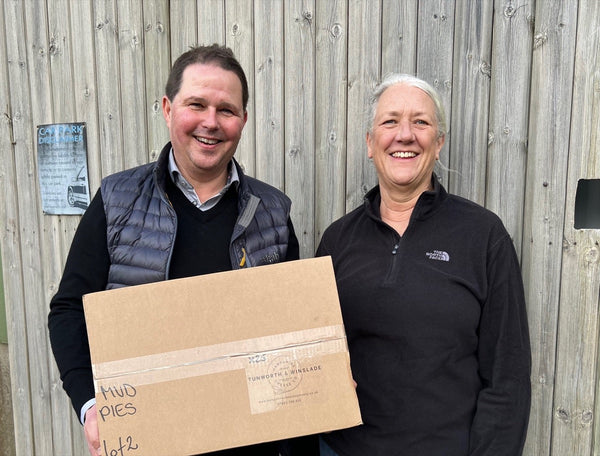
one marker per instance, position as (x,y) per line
(90,428)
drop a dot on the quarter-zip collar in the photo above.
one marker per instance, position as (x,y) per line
(427,204)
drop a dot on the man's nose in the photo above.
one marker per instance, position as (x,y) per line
(209,118)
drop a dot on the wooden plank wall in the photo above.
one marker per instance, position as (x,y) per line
(521,85)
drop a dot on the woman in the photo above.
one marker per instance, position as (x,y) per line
(432,299)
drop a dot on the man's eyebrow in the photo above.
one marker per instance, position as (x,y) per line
(222,103)
(193,98)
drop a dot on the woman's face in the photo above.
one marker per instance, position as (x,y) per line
(404,142)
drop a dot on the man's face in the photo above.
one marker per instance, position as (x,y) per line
(404,142)
(205,121)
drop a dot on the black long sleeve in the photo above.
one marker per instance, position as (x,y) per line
(86,271)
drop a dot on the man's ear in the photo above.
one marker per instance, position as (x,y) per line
(166,108)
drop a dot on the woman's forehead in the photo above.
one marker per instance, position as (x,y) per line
(402,98)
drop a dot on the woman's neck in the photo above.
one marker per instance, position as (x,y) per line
(396,207)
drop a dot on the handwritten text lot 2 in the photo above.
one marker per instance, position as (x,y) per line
(119,403)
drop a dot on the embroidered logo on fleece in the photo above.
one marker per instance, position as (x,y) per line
(438,255)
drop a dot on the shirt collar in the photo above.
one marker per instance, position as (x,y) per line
(188,190)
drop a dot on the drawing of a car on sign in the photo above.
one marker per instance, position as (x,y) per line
(77,193)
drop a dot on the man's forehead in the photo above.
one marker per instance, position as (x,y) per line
(197,77)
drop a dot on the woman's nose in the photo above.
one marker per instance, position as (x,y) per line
(404,132)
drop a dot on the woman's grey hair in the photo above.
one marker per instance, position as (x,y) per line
(411,81)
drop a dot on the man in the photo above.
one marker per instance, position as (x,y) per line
(191,212)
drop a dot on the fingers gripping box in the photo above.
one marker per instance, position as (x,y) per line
(223,360)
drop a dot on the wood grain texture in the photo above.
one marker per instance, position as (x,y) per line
(520,84)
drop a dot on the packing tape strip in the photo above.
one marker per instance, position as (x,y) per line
(179,364)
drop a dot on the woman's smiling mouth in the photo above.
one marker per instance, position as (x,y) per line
(404,155)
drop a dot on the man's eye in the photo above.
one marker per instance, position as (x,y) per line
(389,122)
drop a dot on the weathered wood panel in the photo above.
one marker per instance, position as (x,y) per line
(524,131)
(434,60)
(470,99)
(35,399)
(130,34)
(108,87)
(330,105)
(299,174)
(13,143)
(211,21)
(157,59)
(577,348)
(239,37)
(550,108)
(509,113)
(183,29)
(399,36)
(364,63)
(55,56)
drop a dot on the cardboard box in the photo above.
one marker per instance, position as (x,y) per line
(222,360)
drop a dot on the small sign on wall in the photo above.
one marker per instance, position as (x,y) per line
(62,168)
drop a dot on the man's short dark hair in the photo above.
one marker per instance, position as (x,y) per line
(216,54)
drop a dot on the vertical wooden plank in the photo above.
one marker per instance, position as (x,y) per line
(211,22)
(37,56)
(109,89)
(300,118)
(470,98)
(85,100)
(58,230)
(399,37)
(586,105)
(130,34)
(509,114)
(577,347)
(84,83)
(183,26)
(157,65)
(550,107)
(269,102)
(13,93)
(330,113)
(34,418)
(240,38)
(434,61)
(364,62)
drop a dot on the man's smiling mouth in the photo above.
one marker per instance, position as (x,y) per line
(207,141)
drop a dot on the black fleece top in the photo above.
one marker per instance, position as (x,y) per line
(437,330)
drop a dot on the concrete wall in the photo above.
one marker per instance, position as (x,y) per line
(7,435)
